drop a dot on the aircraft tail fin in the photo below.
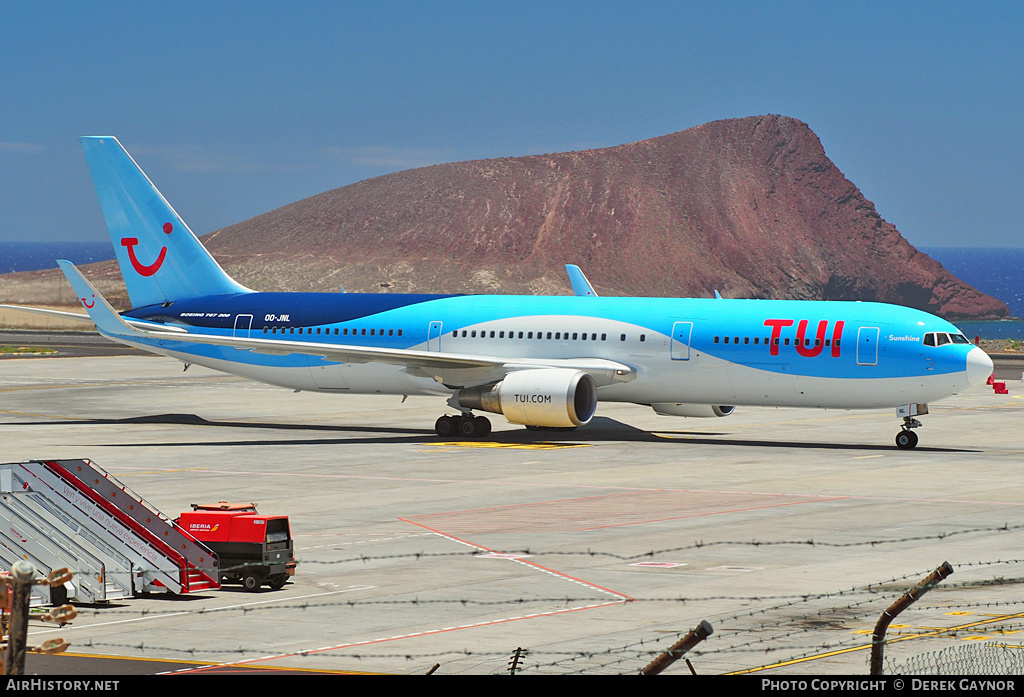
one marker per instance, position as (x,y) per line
(160,259)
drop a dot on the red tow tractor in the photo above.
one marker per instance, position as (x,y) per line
(253,549)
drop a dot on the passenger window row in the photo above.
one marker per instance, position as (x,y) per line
(757,341)
(328,331)
(473,333)
(557,336)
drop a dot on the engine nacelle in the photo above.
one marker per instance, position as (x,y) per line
(700,411)
(552,397)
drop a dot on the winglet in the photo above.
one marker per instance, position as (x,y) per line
(580,285)
(102,314)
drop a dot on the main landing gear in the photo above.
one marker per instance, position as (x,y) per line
(906,438)
(463,425)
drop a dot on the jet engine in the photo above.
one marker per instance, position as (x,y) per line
(550,397)
(700,411)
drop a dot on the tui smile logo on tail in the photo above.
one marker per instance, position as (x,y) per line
(145,269)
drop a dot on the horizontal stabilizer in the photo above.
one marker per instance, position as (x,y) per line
(86,319)
(56,314)
(104,316)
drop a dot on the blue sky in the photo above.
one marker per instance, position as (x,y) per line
(234,109)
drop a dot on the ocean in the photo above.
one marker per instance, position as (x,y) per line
(32,256)
(997,271)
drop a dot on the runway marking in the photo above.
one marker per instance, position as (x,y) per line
(520,560)
(209,610)
(135,474)
(509,446)
(371,540)
(619,599)
(38,416)
(414,635)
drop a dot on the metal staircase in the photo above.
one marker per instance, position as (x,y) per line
(72,513)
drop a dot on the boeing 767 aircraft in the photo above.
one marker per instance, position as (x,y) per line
(541,361)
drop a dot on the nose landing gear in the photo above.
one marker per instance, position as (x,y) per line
(906,438)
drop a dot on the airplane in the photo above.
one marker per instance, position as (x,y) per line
(544,362)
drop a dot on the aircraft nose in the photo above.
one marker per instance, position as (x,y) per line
(979,367)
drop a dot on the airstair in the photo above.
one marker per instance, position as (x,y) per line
(71,513)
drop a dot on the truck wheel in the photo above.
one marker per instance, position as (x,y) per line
(277,581)
(252,582)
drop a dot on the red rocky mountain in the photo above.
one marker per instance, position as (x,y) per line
(751,207)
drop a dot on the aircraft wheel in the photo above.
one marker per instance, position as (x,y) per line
(483,426)
(905,440)
(468,427)
(445,426)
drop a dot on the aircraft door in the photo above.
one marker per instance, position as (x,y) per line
(434,337)
(243,323)
(867,346)
(682,333)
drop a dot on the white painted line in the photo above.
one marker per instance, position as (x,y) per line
(201,610)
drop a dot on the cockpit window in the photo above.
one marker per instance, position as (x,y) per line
(941,338)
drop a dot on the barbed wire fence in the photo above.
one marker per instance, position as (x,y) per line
(986,658)
(777,639)
(778,629)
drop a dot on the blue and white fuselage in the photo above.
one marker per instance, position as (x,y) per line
(677,348)
(542,361)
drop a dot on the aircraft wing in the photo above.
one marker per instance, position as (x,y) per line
(450,369)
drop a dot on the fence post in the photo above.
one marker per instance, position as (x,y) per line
(908,599)
(513,662)
(693,637)
(18,588)
(23,573)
